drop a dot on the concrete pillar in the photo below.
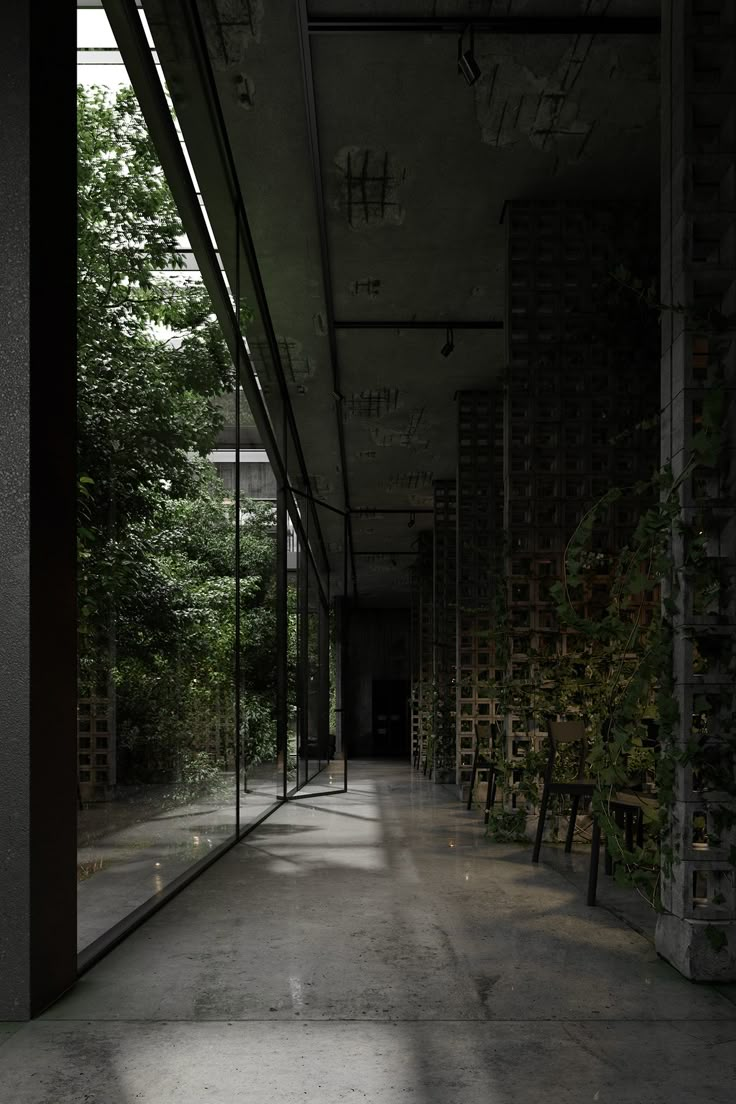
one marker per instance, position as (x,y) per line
(697,931)
(37,510)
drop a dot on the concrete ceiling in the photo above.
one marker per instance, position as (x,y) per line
(415,167)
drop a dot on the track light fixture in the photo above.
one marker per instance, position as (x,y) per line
(449,345)
(466,63)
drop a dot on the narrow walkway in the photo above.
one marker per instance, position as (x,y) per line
(375,946)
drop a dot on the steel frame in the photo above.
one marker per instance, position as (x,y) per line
(516,25)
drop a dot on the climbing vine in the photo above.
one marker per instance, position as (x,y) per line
(615,667)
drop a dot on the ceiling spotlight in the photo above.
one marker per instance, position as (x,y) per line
(466,63)
(412,521)
(449,345)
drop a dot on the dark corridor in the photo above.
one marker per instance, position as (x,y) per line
(390,718)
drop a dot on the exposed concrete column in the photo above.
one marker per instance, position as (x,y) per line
(697,933)
(37,511)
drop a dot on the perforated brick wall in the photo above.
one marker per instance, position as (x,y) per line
(444,636)
(583,372)
(423,622)
(480,555)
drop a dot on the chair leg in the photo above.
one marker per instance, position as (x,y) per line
(622,824)
(595,847)
(609,859)
(540,825)
(571,824)
(490,793)
(473,773)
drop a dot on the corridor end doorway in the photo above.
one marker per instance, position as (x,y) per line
(390,727)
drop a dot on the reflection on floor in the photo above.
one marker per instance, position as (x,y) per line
(134,846)
(376,946)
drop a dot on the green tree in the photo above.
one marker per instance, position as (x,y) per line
(150,355)
(156,531)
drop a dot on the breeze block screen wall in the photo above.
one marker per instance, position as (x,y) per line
(480,556)
(444,632)
(582,373)
(423,626)
(414,655)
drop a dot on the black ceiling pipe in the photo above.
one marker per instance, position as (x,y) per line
(529,25)
(397,324)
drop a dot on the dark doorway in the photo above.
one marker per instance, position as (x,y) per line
(390,718)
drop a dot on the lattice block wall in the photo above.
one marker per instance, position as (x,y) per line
(425,656)
(698,366)
(579,379)
(95,748)
(479,563)
(414,667)
(444,634)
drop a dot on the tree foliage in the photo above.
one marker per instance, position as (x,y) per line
(156,532)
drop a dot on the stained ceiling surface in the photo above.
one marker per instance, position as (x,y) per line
(374,179)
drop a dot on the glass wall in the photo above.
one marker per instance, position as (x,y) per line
(204,664)
(262,781)
(177,734)
(316,736)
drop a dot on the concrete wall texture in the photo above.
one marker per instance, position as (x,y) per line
(15,523)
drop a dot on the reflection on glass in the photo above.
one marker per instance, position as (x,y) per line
(158,739)
(261,782)
(292,656)
(313,672)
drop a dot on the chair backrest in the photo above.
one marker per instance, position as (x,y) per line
(483,733)
(566,732)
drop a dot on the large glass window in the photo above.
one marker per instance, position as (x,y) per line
(177,732)
(205,673)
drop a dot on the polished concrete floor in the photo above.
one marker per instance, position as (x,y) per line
(376,946)
(132,848)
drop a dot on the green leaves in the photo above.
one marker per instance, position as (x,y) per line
(151,360)
(156,537)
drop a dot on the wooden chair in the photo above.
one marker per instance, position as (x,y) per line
(485,734)
(628,807)
(564,732)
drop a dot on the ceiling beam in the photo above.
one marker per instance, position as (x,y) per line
(414,324)
(314,156)
(516,25)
